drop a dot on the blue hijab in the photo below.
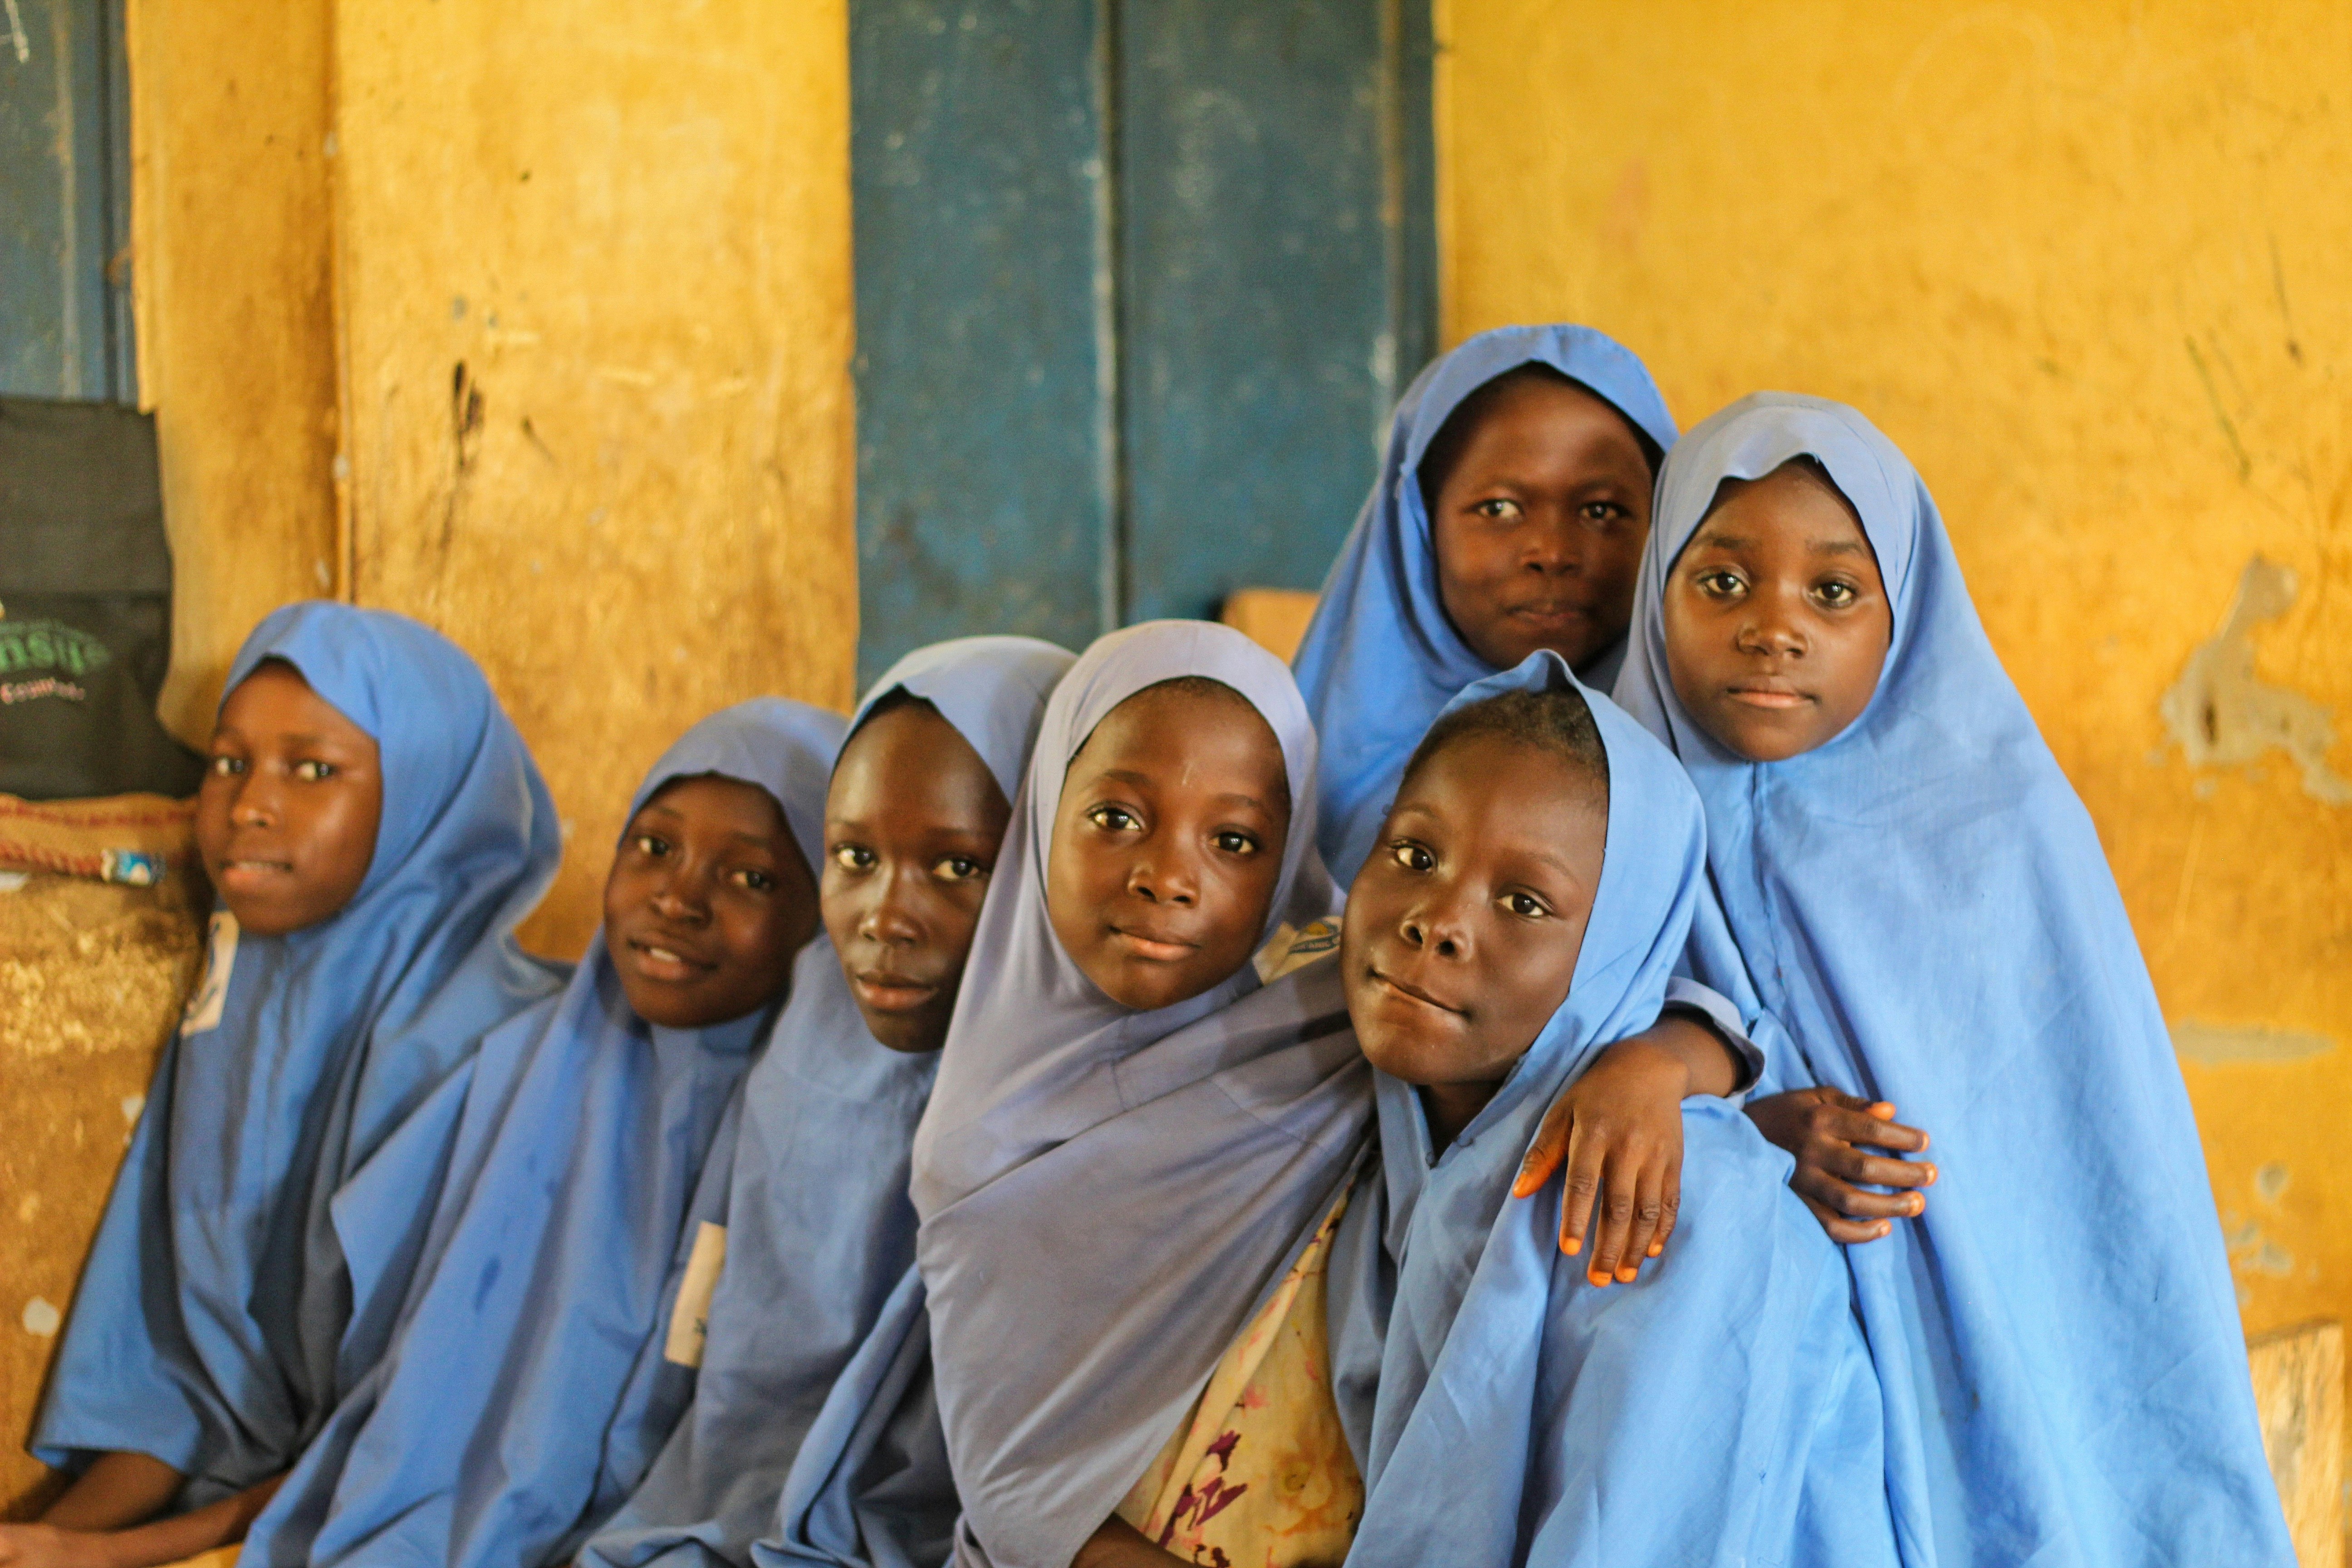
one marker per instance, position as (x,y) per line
(229,1301)
(1503,1411)
(820,1231)
(1382,658)
(532,1379)
(1925,904)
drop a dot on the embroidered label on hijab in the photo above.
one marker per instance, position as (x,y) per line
(205,1007)
(1296,947)
(689,1319)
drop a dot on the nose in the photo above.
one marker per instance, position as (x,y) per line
(683,896)
(887,919)
(1165,878)
(1436,926)
(1773,627)
(1555,548)
(256,802)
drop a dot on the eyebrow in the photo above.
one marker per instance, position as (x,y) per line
(1716,539)
(1129,775)
(764,841)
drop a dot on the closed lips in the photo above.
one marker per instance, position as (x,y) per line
(1152,946)
(1416,993)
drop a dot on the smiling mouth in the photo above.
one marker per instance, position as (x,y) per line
(893,993)
(1414,993)
(1152,949)
(657,961)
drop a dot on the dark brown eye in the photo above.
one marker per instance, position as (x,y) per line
(1411,856)
(853,856)
(1233,841)
(1836,596)
(650,843)
(959,868)
(1113,818)
(1525,906)
(757,880)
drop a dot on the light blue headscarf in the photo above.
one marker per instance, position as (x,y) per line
(1039,1065)
(1719,1410)
(227,1303)
(820,1231)
(1923,902)
(528,1387)
(1382,658)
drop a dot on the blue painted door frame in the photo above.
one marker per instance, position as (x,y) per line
(1137,282)
(65,201)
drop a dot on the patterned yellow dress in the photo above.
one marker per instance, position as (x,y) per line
(1260,1475)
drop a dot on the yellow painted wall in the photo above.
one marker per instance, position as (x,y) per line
(235,326)
(2087,264)
(564,286)
(592,275)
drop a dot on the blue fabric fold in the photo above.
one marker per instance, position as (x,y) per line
(1382,658)
(820,1233)
(237,1288)
(1923,902)
(1503,1411)
(528,1387)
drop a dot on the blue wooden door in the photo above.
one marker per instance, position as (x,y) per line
(1137,282)
(65,201)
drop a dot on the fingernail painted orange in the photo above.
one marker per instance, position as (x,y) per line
(1571,1245)
(1628,1274)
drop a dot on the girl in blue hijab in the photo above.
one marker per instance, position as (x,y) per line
(551,1341)
(820,1231)
(1922,900)
(1719,1410)
(1512,502)
(375,828)
(1509,515)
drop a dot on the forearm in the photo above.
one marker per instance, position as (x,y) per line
(215,1524)
(1119,1544)
(1709,1065)
(117,1491)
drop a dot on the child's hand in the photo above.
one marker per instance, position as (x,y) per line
(1827,1131)
(1620,1130)
(46,1546)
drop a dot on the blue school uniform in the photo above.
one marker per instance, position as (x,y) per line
(549,1343)
(820,1233)
(1923,903)
(1720,1409)
(239,1286)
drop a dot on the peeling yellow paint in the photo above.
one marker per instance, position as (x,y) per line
(2221,714)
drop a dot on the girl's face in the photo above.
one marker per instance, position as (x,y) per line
(912,825)
(1167,844)
(1540,525)
(1777,621)
(1463,929)
(708,901)
(287,817)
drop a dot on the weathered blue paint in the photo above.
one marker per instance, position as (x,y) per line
(65,198)
(1136,283)
(974,139)
(1260,355)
